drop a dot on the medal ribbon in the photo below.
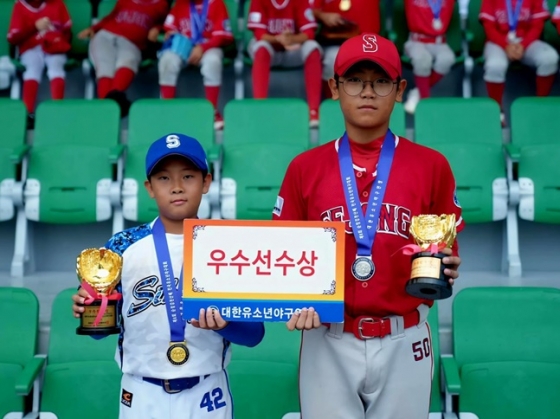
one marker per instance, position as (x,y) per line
(198,21)
(436,5)
(364,227)
(93,295)
(171,293)
(513,15)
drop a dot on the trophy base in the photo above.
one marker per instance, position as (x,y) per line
(108,323)
(427,278)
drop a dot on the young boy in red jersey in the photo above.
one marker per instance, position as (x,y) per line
(284,32)
(513,29)
(340,20)
(362,368)
(206,24)
(117,42)
(34,23)
(428,22)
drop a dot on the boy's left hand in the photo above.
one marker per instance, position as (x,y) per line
(153,34)
(453,262)
(209,319)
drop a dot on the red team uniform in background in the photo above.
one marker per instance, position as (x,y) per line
(216,35)
(116,62)
(274,17)
(536,53)
(427,46)
(24,35)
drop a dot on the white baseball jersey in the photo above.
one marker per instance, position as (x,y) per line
(145,336)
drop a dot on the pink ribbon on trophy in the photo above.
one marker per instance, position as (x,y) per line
(411,249)
(93,295)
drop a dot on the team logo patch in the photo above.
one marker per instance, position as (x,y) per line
(172,141)
(456,200)
(255,17)
(126,398)
(278,206)
(370,43)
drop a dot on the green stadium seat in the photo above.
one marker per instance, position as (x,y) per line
(12,152)
(81,377)
(446,124)
(506,352)
(9,67)
(534,145)
(550,33)
(331,121)
(74,170)
(261,137)
(264,379)
(436,405)
(149,120)
(475,38)
(18,334)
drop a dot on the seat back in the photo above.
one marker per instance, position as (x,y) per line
(331,121)
(81,15)
(269,370)
(511,390)
(538,171)
(550,33)
(69,174)
(475,28)
(433,321)
(149,120)
(12,121)
(6,8)
(18,334)
(400,28)
(506,324)
(474,151)
(79,368)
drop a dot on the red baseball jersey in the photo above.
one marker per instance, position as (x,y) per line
(494,17)
(277,16)
(419,16)
(420,182)
(23,33)
(556,16)
(364,13)
(133,19)
(217,31)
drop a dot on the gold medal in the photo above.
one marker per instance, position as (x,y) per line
(345,5)
(177,353)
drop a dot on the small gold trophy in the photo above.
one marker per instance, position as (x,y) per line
(431,233)
(99,271)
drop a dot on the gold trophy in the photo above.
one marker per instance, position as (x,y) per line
(99,271)
(431,233)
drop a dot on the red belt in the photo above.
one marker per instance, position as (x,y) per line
(427,39)
(367,327)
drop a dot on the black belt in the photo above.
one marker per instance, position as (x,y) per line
(176,385)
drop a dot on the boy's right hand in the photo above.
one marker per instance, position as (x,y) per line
(78,299)
(306,319)
(331,19)
(43,24)
(86,33)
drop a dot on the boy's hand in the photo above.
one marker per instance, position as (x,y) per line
(331,19)
(307,319)
(86,33)
(79,298)
(453,262)
(153,34)
(209,319)
(169,34)
(196,55)
(43,24)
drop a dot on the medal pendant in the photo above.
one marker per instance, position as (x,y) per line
(363,268)
(178,353)
(437,24)
(512,37)
(345,5)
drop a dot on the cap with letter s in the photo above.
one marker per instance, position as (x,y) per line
(176,144)
(369,47)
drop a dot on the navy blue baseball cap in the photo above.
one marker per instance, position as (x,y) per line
(176,145)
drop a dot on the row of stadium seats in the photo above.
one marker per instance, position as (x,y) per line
(465,36)
(499,368)
(78,171)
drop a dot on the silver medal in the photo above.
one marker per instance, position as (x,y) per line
(363,268)
(437,24)
(512,37)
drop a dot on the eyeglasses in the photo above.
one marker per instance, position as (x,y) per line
(353,86)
